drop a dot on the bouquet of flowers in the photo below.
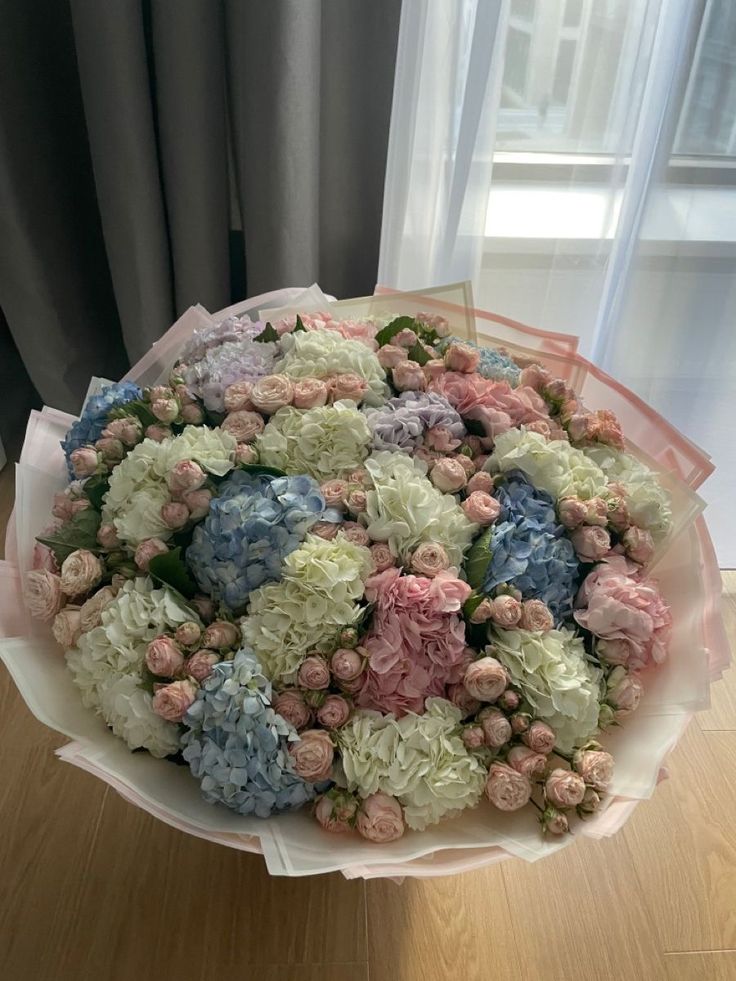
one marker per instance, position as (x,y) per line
(358,564)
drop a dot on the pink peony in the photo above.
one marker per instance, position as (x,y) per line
(448,475)
(313,673)
(428,559)
(312,755)
(408,376)
(164,657)
(244,425)
(591,543)
(172,701)
(380,818)
(485,679)
(526,761)
(310,393)
(462,357)
(494,404)
(333,712)
(506,789)
(564,788)
(626,612)
(481,508)
(272,393)
(290,705)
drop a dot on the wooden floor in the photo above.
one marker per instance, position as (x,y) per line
(92,889)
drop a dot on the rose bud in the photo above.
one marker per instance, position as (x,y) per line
(408,376)
(638,544)
(508,700)
(505,611)
(43,594)
(80,571)
(520,722)
(348,637)
(591,543)
(327,530)
(312,755)
(188,633)
(310,393)
(624,694)
(220,635)
(485,679)
(391,355)
(382,557)
(571,512)
(313,673)
(606,716)
(618,512)
(433,369)
(346,664)
(186,475)
(290,705)
(481,508)
(61,508)
(564,788)
(590,803)
(174,515)
(355,533)
(480,462)
(200,664)
(347,386)
(506,789)
(172,701)
(480,481)
(429,559)
(204,606)
(90,614)
(246,454)
(459,695)
(482,612)
(554,822)
(357,501)
(164,657)
(107,536)
(380,818)
(595,767)
(462,357)
(192,414)
(236,397)
(353,686)
(596,512)
(440,438)
(67,627)
(159,392)
(334,493)
(335,813)
(333,712)
(111,450)
(272,393)
(496,727)
(198,503)
(526,761)
(535,616)
(158,433)
(244,425)
(128,430)
(448,475)
(473,737)
(165,410)
(84,462)
(540,737)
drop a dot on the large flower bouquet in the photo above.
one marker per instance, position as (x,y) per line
(361,566)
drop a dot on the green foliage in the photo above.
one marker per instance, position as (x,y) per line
(478,560)
(79,532)
(267,335)
(170,570)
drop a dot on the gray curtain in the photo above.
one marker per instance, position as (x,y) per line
(159,153)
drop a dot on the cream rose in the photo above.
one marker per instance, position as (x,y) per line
(80,571)
(272,393)
(43,594)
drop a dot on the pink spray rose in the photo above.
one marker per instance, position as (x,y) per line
(626,612)
(128,430)
(440,439)
(327,530)
(591,543)
(481,508)
(391,355)
(197,502)
(448,475)
(192,414)
(272,393)
(355,533)
(158,432)
(357,501)
(333,815)
(571,512)
(334,492)
(482,612)
(520,723)
(405,338)
(526,761)
(333,712)
(380,819)
(166,409)
(110,449)
(459,695)
(508,700)
(540,737)
(624,691)
(174,514)
(496,727)
(535,616)
(244,425)
(43,594)
(84,462)
(312,755)
(485,679)
(199,666)
(596,512)
(347,386)
(480,481)
(310,393)
(639,544)
(80,571)
(428,559)
(164,657)
(506,611)
(290,705)
(462,357)
(473,737)
(554,821)
(186,475)
(188,633)
(245,453)
(507,789)
(346,664)
(204,606)
(107,537)
(172,701)
(90,613)
(313,673)
(595,768)
(408,376)
(221,634)
(564,788)
(237,396)
(67,626)
(147,550)
(433,369)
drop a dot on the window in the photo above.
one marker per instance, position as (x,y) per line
(523,9)
(563,72)
(573,13)
(517,60)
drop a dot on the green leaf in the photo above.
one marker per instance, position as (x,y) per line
(170,570)
(257,468)
(474,427)
(95,489)
(386,334)
(417,353)
(299,325)
(267,335)
(138,408)
(79,532)
(471,604)
(478,560)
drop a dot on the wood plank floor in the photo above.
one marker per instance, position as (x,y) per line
(93,890)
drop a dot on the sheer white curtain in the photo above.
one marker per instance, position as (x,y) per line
(576,160)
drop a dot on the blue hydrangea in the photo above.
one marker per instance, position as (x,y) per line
(252,525)
(88,428)
(493,363)
(237,746)
(402,422)
(529,548)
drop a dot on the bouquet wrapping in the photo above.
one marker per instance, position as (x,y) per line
(414,566)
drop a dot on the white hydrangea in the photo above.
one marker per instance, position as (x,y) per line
(138,487)
(321,353)
(107,664)
(324,442)
(647,501)
(420,759)
(404,508)
(562,687)
(551,465)
(317,596)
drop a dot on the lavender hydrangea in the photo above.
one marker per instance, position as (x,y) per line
(237,746)
(252,525)
(226,331)
(529,549)
(222,365)
(402,422)
(88,428)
